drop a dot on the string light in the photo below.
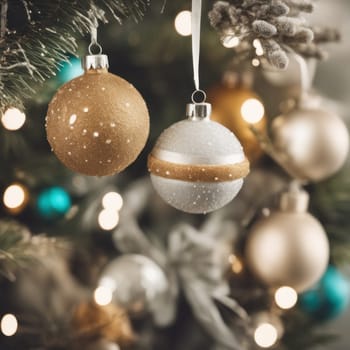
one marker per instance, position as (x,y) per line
(236,264)
(252,110)
(258,47)
(266,335)
(108,219)
(230,41)
(9,325)
(286,297)
(255,62)
(183,23)
(103,295)
(15,197)
(13,119)
(112,201)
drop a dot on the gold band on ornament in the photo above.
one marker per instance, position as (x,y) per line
(198,173)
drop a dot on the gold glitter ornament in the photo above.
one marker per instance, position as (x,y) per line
(98,123)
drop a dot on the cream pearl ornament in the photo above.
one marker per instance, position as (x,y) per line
(313,141)
(289,247)
(98,123)
(197,165)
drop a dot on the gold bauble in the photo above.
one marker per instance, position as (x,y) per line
(108,322)
(289,247)
(227,102)
(313,141)
(97,124)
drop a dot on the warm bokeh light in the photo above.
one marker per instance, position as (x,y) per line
(255,62)
(14,196)
(112,201)
(9,325)
(13,119)
(236,264)
(183,23)
(252,110)
(230,41)
(103,295)
(258,47)
(286,297)
(266,335)
(108,219)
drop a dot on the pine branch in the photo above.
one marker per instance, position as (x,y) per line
(18,247)
(33,51)
(278,24)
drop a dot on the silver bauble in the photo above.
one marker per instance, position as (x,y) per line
(314,142)
(197,165)
(135,281)
(289,247)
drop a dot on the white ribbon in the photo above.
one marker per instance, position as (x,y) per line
(196,34)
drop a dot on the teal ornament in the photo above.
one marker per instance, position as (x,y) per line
(53,202)
(70,69)
(328,298)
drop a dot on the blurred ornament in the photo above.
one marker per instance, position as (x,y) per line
(289,247)
(135,281)
(13,119)
(108,322)
(237,107)
(15,198)
(70,70)
(53,202)
(197,165)
(329,297)
(313,142)
(268,329)
(97,124)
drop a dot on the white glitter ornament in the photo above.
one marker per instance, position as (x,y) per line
(136,282)
(197,165)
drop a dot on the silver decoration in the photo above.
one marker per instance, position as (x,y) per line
(95,62)
(194,260)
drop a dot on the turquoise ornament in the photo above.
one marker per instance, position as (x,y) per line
(53,202)
(328,298)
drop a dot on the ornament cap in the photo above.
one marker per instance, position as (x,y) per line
(198,111)
(294,201)
(95,62)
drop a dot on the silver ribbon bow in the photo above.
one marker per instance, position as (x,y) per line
(195,261)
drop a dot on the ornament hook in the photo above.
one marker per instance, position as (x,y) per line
(200,93)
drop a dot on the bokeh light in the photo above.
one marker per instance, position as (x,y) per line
(183,23)
(286,297)
(13,119)
(252,110)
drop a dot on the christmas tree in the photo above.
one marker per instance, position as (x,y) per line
(132,221)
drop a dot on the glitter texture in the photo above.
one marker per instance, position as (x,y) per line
(96,104)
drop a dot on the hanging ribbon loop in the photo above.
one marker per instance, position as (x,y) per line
(196,32)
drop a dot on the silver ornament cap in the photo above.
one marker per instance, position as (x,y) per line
(95,62)
(294,201)
(198,111)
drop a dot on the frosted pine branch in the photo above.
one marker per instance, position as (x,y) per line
(278,24)
(34,51)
